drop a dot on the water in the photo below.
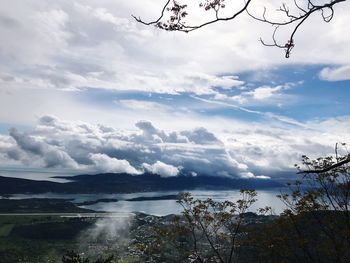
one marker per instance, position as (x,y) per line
(162,207)
(35,175)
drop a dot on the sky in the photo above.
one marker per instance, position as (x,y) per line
(86,89)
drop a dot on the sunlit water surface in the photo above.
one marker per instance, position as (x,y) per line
(162,207)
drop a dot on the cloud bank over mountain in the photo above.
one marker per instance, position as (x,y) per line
(55,143)
(243,152)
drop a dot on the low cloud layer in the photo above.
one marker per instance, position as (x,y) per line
(162,169)
(113,232)
(104,163)
(81,146)
(249,150)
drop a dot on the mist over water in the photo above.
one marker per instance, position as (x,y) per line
(110,234)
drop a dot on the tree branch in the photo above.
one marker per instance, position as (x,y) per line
(327,169)
(176,20)
(295,19)
(153,22)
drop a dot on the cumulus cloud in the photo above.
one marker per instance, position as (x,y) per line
(163,169)
(96,148)
(201,136)
(51,155)
(248,150)
(104,163)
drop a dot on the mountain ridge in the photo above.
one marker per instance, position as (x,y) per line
(126,183)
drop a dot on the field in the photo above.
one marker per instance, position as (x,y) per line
(20,240)
(39,238)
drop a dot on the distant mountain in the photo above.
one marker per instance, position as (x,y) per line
(126,183)
(40,205)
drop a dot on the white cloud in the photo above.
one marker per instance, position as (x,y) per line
(241,149)
(86,147)
(104,15)
(206,80)
(163,169)
(104,163)
(51,155)
(51,47)
(265,92)
(201,136)
(263,177)
(71,45)
(141,105)
(336,73)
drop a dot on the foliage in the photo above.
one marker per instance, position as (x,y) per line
(208,231)
(315,226)
(73,257)
(303,237)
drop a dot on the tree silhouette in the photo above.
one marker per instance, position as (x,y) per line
(314,227)
(173,17)
(207,231)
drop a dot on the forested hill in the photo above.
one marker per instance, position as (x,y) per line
(126,183)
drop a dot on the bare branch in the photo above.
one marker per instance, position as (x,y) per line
(328,168)
(178,13)
(153,22)
(176,20)
(298,20)
(191,28)
(298,6)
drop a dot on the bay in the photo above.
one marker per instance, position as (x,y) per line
(162,207)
